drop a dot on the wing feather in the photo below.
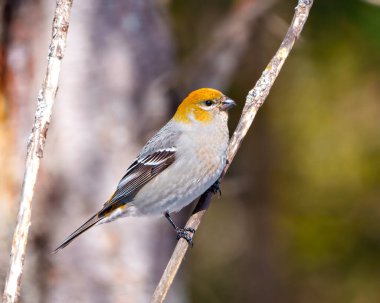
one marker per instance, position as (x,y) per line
(138,174)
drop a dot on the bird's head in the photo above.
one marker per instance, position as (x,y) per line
(203,105)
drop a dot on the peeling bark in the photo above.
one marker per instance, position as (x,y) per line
(45,102)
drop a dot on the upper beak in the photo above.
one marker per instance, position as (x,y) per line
(227,104)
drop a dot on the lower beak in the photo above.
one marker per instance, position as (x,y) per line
(227,104)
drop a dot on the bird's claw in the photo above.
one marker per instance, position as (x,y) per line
(215,188)
(187,234)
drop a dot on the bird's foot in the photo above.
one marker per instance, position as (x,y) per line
(187,234)
(215,188)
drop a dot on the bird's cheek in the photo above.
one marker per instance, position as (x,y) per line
(203,116)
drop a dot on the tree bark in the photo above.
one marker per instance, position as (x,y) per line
(117,51)
(36,144)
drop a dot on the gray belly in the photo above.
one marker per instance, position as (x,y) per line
(177,187)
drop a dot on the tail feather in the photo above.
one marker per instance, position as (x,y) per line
(91,222)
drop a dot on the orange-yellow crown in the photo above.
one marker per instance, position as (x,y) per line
(190,104)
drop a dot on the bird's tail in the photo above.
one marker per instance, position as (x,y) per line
(91,222)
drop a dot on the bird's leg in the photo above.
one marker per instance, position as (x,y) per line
(215,188)
(182,232)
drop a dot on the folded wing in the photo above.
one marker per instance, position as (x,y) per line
(144,169)
(138,174)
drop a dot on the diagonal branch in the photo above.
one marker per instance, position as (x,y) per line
(254,100)
(36,144)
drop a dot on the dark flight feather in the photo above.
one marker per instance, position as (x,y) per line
(138,174)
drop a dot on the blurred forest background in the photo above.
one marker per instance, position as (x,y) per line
(299,218)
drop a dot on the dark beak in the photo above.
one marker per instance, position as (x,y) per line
(227,104)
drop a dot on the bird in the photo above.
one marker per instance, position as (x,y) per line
(179,163)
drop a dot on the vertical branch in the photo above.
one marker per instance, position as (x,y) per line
(254,100)
(45,102)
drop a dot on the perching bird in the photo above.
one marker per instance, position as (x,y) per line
(178,164)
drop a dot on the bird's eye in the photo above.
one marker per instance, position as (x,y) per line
(209,102)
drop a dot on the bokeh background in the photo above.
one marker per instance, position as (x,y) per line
(299,218)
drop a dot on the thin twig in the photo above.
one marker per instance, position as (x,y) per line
(36,144)
(254,100)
